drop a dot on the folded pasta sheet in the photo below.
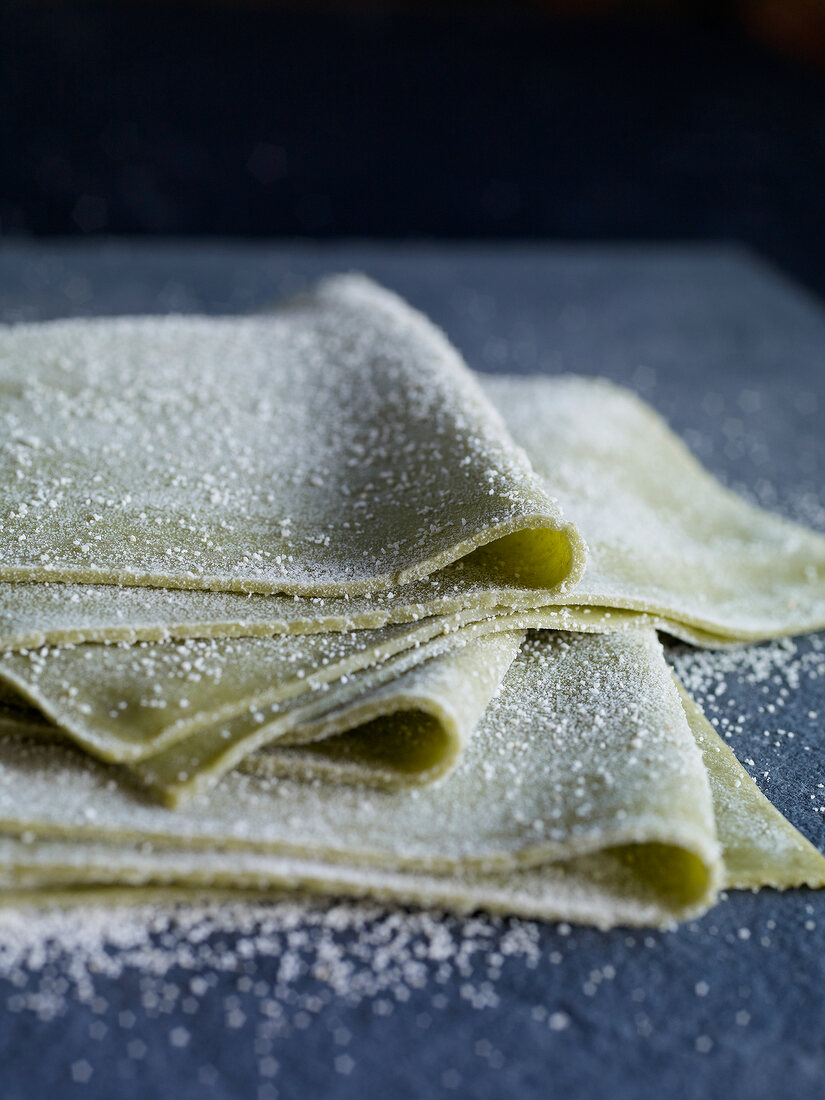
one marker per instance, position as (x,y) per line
(582,796)
(695,560)
(663,535)
(127,703)
(336,446)
(294,601)
(760,847)
(178,715)
(397,723)
(664,538)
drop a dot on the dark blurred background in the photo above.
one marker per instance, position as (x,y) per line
(563,121)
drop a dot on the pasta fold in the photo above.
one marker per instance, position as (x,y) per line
(296,601)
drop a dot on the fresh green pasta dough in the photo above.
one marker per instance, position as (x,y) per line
(582,796)
(512,802)
(664,538)
(126,703)
(760,847)
(264,589)
(334,447)
(178,715)
(402,722)
(655,554)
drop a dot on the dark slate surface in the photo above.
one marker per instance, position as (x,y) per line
(734,357)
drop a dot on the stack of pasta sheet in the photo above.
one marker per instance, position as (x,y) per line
(297,601)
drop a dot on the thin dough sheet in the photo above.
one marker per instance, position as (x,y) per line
(664,538)
(337,446)
(583,796)
(585,748)
(177,715)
